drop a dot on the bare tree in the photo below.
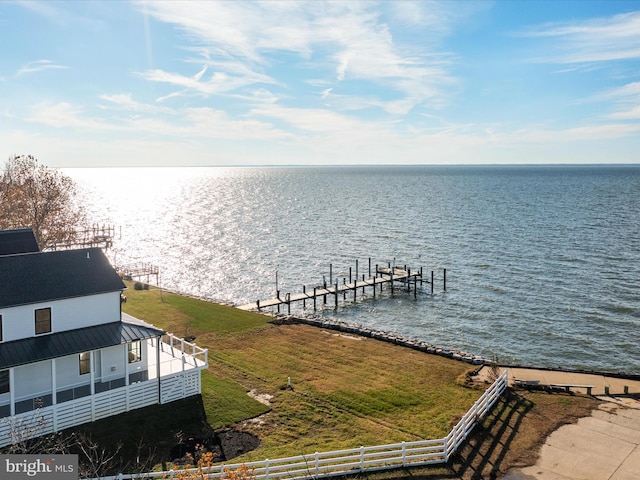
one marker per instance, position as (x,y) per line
(37,197)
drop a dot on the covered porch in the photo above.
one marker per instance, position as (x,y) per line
(168,369)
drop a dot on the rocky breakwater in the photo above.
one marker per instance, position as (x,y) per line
(355,329)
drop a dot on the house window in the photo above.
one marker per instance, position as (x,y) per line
(43,320)
(85,363)
(4,381)
(135,352)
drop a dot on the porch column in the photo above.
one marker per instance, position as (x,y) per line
(54,394)
(92,379)
(12,392)
(54,389)
(126,374)
(158,341)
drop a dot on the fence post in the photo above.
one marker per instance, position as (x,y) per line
(266,469)
(361,458)
(404,454)
(446,448)
(317,464)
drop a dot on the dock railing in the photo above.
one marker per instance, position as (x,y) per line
(356,460)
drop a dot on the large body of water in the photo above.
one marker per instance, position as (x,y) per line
(543,262)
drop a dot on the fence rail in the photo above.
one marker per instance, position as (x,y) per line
(357,460)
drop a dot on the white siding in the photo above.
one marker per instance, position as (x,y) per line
(32,380)
(68,314)
(68,372)
(113,362)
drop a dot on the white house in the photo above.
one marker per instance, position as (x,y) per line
(68,354)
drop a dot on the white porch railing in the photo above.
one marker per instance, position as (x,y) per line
(180,365)
(358,460)
(191,355)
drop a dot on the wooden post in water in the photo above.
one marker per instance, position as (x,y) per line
(330,274)
(369,267)
(314,299)
(324,302)
(336,292)
(444,280)
(391,270)
(304,301)
(363,284)
(431,282)
(408,279)
(374,283)
(349,274)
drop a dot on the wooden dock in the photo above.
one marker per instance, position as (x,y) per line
(383,276)
(138,270)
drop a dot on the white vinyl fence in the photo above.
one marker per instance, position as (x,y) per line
(358,460)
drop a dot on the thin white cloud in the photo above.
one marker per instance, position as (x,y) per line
(64,115)
(307,119)
(586,133)
(594,40)
(39,66)
(241,42)
(625,99)
(126,103)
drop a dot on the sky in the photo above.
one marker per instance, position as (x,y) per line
(115,83)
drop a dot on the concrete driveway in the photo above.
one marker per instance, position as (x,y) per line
(604,446)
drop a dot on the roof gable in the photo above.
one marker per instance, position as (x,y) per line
(18,241)
(46,276)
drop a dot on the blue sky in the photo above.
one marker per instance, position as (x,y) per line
(99,83)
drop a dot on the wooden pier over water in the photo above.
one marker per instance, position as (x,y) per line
(390,275)
(139,270)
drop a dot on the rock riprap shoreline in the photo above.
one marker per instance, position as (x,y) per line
(360,330)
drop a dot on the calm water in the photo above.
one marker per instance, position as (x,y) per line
(543,263)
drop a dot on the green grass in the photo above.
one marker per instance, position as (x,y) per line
(345,391)
(225,401)
(187,316)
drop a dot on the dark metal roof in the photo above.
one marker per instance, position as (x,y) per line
(46,347)
(46,276)
(18,241)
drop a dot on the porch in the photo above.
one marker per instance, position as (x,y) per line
(170,372)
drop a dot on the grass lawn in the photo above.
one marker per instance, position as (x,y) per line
(327,391)
(330,391)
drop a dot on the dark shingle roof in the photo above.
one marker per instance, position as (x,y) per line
(46,276)
(18,241)
(46,347)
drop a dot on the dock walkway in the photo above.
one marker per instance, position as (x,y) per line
(383,275)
